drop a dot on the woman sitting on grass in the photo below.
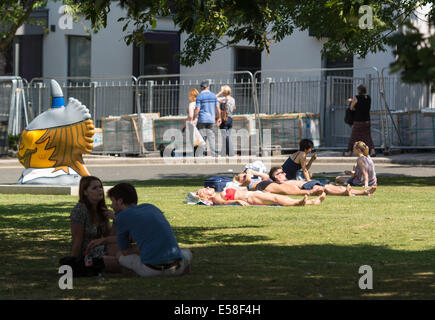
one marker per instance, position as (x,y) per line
(296,166)
(363,173)
(91,231)
(246,198)
(277,175)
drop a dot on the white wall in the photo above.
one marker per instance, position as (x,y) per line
(55,44)
(111,57)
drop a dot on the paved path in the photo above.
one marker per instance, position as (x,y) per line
(117,169)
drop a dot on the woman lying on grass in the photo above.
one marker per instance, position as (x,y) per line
(246,198)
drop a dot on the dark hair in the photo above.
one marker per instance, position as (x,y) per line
(305,144)
(362,89)
(272,173)
(124,191)
(97,216)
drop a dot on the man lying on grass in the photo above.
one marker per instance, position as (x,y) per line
(245,198)
(282,185)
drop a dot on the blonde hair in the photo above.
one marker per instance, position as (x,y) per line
(226,89)
(202,196)
(361,146)
(237,179)
(193,93)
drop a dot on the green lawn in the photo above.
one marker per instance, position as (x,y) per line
(311,252)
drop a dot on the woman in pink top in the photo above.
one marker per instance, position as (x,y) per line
(246,198)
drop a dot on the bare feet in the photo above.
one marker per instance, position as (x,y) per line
(372,190)
(303,201)
(318,200)
(348,191)
(317,191)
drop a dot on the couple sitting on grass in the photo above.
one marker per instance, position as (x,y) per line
(156,252)
(266,189)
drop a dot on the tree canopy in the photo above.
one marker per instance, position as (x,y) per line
(214,24)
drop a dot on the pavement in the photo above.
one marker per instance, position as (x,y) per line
(331,163)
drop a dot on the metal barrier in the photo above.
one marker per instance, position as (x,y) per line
(13,105)
(103,96)
(319,92)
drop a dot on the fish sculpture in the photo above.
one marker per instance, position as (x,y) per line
(51,147)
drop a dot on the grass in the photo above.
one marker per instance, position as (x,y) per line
(242,253)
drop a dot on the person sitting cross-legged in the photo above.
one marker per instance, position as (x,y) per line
(157,252)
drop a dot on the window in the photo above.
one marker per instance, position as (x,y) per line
(79,56)
(247,59)
(339,62)
(341,80)
(157,55)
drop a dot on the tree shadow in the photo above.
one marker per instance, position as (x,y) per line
(34,216)
(172,182)
(247,271)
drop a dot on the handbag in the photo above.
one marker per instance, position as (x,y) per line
(348,116)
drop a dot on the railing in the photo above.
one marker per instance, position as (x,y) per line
(266,92)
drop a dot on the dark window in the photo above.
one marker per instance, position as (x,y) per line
(342,80)
(247,59)
(7,61)
(30,56)
(157,56)
(79,56)
(339,62)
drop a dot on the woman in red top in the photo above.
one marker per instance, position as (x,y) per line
(246,198)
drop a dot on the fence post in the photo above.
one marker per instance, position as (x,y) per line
(150,85)
(267,106)
(94,85)
(40,85)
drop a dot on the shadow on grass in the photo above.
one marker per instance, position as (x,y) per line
(241,272)
(173,182)
(35,216)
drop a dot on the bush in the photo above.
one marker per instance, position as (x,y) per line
(13,141)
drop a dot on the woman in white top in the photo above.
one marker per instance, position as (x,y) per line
(227,104)
(193,93)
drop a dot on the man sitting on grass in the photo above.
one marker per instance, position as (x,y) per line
(157,252)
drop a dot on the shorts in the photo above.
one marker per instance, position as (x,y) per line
(261,186)
(310,185)
(352,183)
(134,262)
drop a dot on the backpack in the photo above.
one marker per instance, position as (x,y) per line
(217,182)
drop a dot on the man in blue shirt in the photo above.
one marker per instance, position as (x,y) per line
(157,252)
(207,106)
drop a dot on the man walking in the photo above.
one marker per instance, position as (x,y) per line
(207,107)
(157,252)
